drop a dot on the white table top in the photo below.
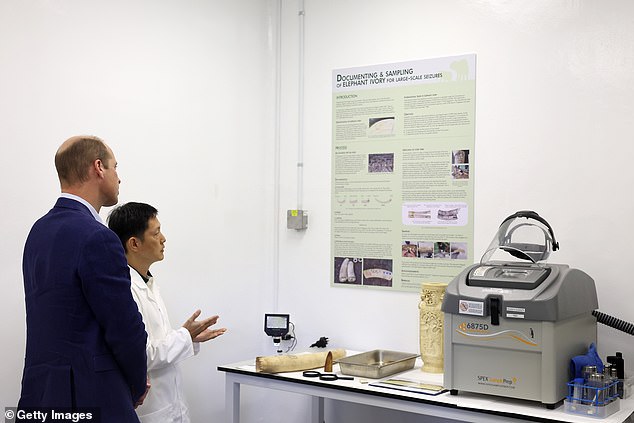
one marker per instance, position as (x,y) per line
(510,407)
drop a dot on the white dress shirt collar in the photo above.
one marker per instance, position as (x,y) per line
(85,203)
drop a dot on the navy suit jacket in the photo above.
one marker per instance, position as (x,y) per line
(85,342)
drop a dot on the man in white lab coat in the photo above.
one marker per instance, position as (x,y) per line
(138,228)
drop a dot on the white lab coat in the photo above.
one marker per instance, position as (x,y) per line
(165,348)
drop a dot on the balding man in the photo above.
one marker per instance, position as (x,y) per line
(85,344)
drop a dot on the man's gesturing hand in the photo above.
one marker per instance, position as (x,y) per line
(199,330)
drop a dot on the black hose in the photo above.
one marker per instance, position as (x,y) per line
(613,322)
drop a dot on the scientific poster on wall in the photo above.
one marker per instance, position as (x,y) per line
(402,172)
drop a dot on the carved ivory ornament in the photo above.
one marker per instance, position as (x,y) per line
(431,326)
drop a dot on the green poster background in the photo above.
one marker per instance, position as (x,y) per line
(403,173)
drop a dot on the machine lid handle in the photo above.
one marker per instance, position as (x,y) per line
(494,305)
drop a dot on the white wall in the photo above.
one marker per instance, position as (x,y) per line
(184,94)
(554,106)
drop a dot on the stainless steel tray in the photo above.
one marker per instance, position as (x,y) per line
(377,364)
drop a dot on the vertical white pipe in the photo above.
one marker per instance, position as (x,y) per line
(300,118)
(276,154)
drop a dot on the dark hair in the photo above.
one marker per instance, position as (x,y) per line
(130,220)
(72,162)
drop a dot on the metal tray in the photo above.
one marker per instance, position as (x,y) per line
(377,364)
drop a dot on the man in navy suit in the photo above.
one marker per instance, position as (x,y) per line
(85,342)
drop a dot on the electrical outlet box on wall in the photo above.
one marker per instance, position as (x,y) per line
(297,219)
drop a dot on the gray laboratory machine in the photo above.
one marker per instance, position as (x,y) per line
(512,326)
